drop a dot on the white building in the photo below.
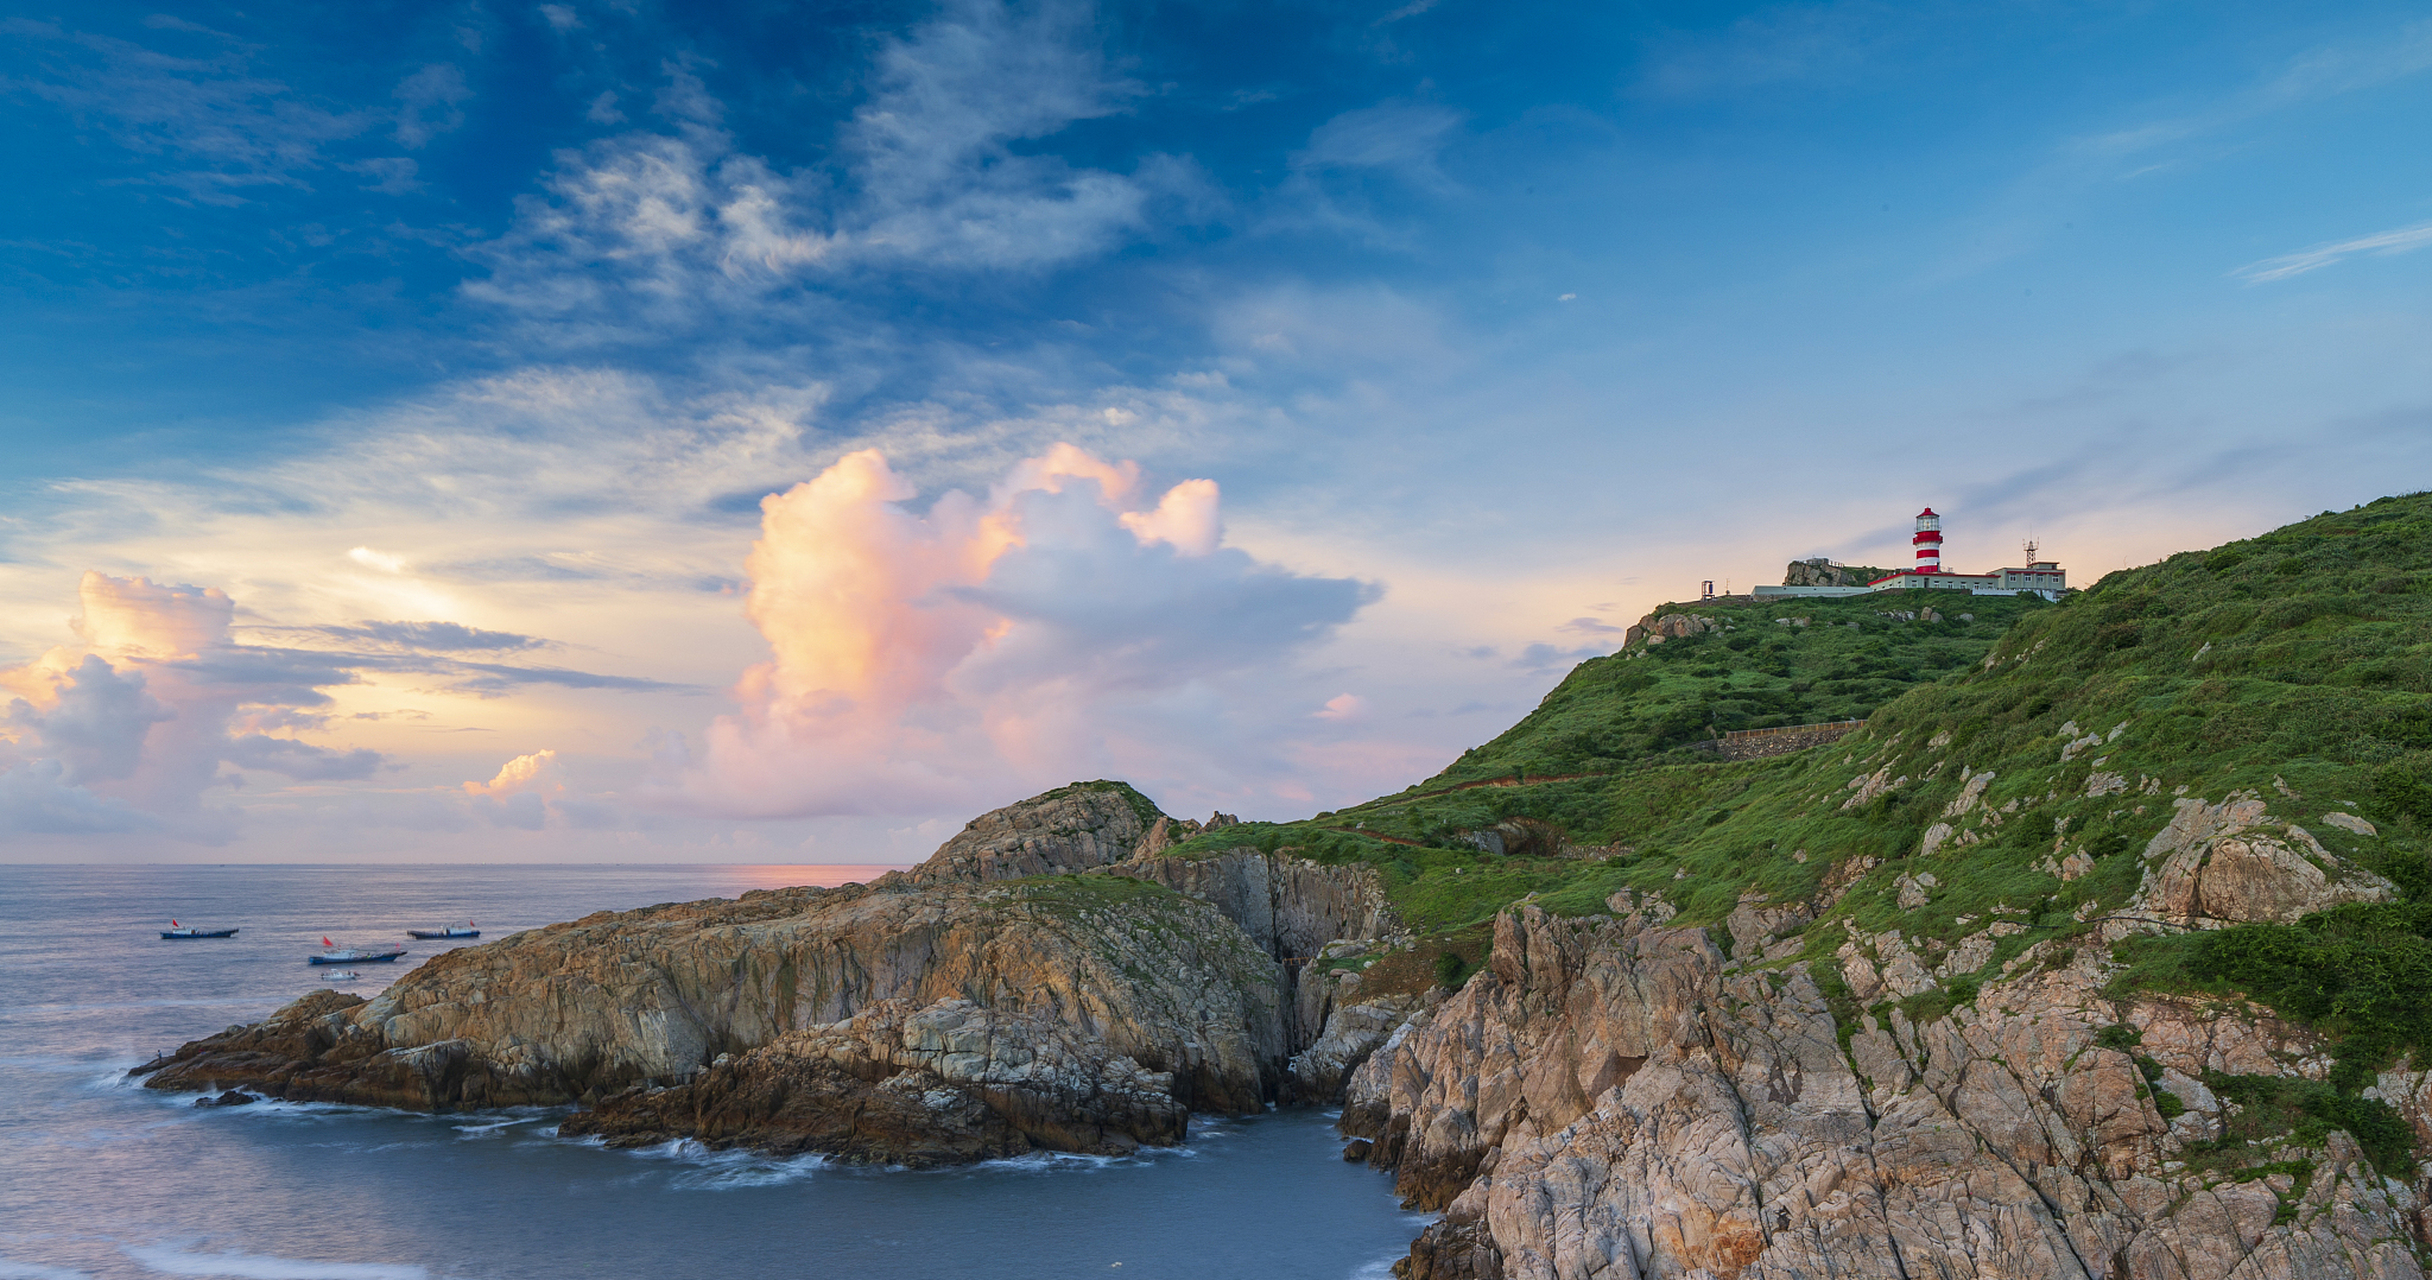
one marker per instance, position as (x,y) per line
(2039,577)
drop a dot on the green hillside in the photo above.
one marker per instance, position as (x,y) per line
(2295,667)
(1800,661)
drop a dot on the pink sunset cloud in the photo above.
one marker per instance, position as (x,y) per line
(1069,623)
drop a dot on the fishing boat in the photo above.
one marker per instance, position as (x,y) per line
(340,975)
(469,930)
(354,955)
(176,930)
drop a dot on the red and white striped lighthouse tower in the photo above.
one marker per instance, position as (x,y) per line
(1929,541)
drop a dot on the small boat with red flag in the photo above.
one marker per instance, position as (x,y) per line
(470,929)
(177,931)
(354,955)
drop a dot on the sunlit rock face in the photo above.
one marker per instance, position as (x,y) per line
(1075,828)
(1104,1010)
(1610,1099)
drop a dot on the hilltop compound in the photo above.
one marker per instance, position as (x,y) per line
(2039,577)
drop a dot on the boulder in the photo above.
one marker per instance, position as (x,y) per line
(2231,863)
(1075,828)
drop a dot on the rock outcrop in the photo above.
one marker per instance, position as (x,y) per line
(1611,1099)
(947,1084)
(1075,828)
(2229,863)
(1824,573)
(584,1010)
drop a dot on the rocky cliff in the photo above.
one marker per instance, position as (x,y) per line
(1614,1099)
(1091,990)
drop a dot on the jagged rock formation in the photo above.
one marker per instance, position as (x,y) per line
(584,1010)
(948,1084)
(1612,1099)
(956,1012)
(1352,1033)
(2228,863)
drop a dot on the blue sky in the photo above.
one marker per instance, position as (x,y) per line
(1492,325)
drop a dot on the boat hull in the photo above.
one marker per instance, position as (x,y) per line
(355,957)
(180,935)
(442,935)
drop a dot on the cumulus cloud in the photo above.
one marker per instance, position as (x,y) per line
(1064,623)
(523,793)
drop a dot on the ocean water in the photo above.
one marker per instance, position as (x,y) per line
(100,1178)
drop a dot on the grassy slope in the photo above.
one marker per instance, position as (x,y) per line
(1851,658)
(2303,655)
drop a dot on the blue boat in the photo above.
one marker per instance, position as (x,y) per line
(442,935)
(176,931)
(354,955)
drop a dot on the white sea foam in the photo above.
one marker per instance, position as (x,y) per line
(260,1266)
(10,1270)
(713,1170)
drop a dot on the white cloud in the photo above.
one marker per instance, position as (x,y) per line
(430,101)
(670,227)
(946,659)
(2381,243)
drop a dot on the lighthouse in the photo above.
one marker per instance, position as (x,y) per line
(1929,542)
(2039,577)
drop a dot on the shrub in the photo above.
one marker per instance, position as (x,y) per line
(2120,1036)
(1451,968)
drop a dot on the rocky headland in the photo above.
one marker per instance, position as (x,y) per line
(2103,950)
(989,1002)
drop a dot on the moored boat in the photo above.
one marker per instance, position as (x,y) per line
(354,955)
(176,931)
(468,930)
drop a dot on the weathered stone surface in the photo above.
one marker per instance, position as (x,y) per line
(2230,863)
(1320,1072)
(1810,573)
(949,1083)
(2350,822)
(1605,1102)
(583,1010)
(1291,907)
(1075,828)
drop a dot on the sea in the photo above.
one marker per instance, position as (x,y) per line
(102,1178)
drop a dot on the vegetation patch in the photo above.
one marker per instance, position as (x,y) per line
(2272,1111)
(1413,971)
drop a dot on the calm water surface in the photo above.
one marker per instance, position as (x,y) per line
(98,1178)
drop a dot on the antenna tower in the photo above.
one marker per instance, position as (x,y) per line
(2031,549)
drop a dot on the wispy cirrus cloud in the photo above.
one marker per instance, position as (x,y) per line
(223,127)
(2397,240)
(646,230)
